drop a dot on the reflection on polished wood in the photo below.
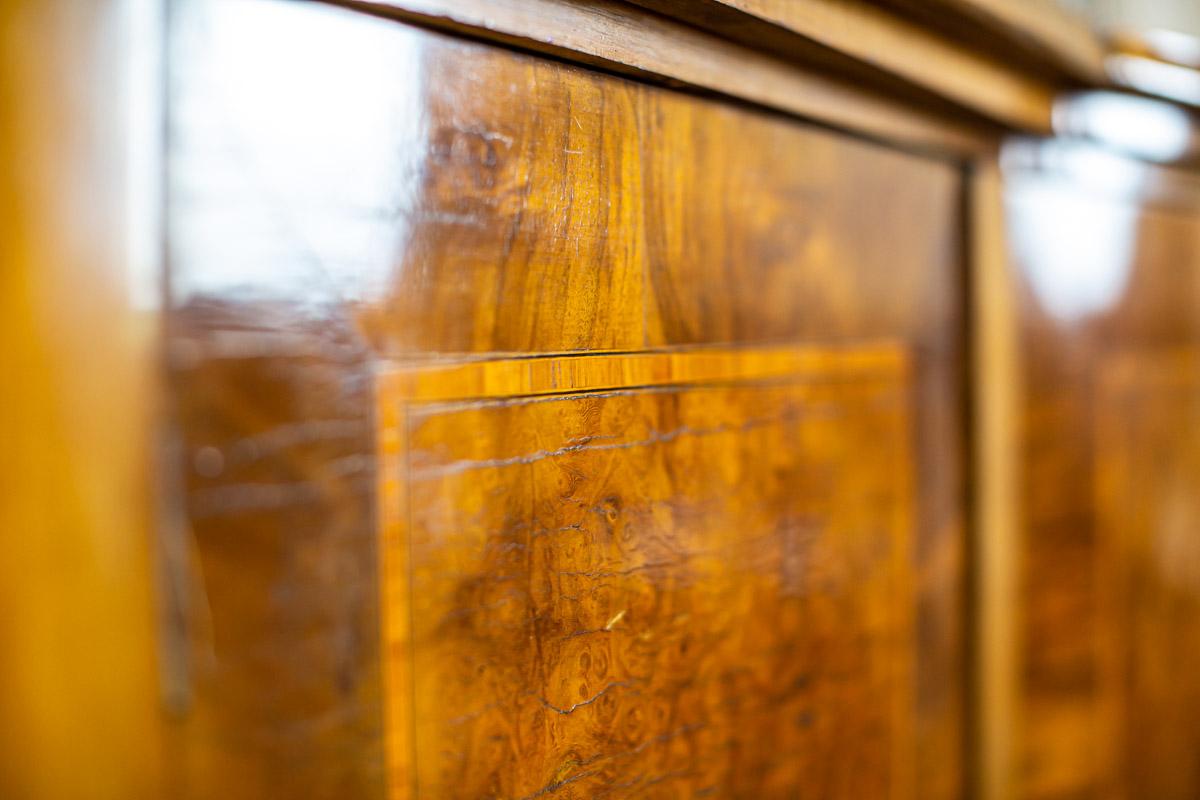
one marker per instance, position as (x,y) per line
(567,398)
(492,225)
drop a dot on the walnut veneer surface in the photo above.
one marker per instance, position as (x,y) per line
(722,553)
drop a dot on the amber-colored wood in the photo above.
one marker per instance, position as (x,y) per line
(1106,438)
(493,224)
(996,398)
(1147,507)
(78,689)
(617,592)
(849,32)
(621,206)
(1037,36)
(537,431)
(619,37)
(580,373)
(277,623)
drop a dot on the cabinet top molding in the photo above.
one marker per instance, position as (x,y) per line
(947,75)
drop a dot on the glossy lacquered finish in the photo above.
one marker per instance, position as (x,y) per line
(1108,302)
(544,433)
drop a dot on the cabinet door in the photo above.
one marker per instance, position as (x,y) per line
(547,433)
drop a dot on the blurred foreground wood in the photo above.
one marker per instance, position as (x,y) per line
(78,698)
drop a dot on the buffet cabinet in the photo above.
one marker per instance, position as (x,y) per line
(558,399)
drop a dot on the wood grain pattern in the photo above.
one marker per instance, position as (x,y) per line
(486,223)
(619,206)
(620,593)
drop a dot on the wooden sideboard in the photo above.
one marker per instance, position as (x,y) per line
(565,399)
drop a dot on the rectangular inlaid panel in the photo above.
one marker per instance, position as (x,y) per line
(695,581)
(1148,525)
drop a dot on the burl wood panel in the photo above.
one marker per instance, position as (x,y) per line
(1107,284)
(696,588)
(372,195)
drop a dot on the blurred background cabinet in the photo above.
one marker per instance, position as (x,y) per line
(1106,330)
